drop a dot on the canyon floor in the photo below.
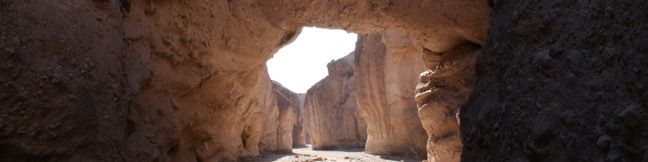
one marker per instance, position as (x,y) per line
(307,154)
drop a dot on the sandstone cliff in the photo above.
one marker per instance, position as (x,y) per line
(299,129)
(386,69)
(170,80)
(261,113)
(332,117)
(303,118)
(287,103)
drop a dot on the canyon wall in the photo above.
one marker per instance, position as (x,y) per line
(332,117)
(299,129)
(170,80)
(302,117)
(260,115)
(283,116)
(440,94)
(561,81)
(288,103)
(200,76)
(386,71)
(269,120)
(270,115)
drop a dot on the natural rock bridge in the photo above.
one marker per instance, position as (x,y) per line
(185,80)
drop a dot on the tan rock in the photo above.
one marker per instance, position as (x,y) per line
(332,118)
(287,102)
(254,119)
(299,130)
(273,119)
(169,80)
(386,68)
(440,94)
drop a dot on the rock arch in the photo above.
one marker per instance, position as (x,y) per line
(188,70)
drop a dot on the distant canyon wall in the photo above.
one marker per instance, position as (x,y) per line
(333,120)
(386,70)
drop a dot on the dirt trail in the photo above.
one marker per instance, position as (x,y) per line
(307,154)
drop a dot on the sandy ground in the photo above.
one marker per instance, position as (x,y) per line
(306,154)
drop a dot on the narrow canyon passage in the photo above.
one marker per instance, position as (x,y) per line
(435,80)
(332,116)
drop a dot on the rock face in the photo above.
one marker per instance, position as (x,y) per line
(299,129)
(440,94)
(261,113)
(303,118)
(333,120)
(169,80)
(270,115)
(268,126)
(561,88)
(64,93)
(288,104)
(386,71)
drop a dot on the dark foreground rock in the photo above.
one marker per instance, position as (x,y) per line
(561,81)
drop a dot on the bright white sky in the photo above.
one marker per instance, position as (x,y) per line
(302,63)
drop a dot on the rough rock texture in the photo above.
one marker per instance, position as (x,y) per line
(440,94)
(269,121)
(198,79)
(302,118)
(270,115)
(333,119)
(439,25)
(172,80)
(561,81)
(64,91)
(299,129)
(287,103)
(261,110)
(386,71)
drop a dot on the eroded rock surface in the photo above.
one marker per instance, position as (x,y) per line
(561,83)
(299,130)
(170,80)
(386,71)
(440,94)
(287,103)
(332,116)
(64,88)
(261,113)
